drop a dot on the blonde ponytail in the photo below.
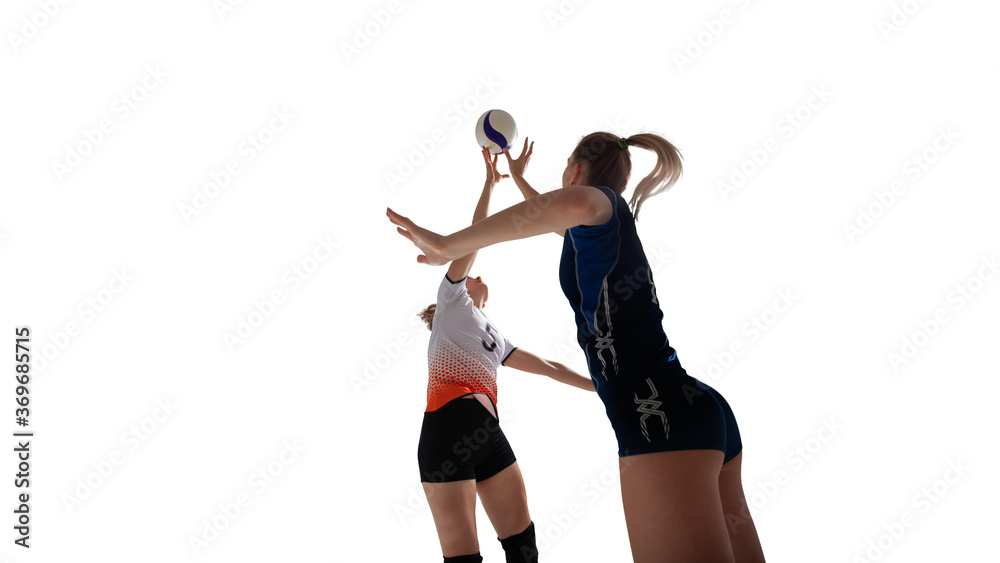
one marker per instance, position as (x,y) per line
(606,162)
(665,173)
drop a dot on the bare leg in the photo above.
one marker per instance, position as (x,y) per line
(742,532)
(505,501)
(673,510)
(453,506)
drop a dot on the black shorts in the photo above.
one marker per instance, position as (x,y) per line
(667,410)
(462,440)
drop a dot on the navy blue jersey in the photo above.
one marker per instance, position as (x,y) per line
(652,403)
(606,277)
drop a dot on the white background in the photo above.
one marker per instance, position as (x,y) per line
(338,367)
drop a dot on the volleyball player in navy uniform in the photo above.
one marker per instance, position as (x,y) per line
(462,450)
(679,445)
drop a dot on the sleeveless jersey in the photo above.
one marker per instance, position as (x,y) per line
(607,280)
(465,348)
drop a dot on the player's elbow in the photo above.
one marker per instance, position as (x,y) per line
(555,370)
(546,368)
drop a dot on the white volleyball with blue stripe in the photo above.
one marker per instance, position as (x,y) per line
(496,131)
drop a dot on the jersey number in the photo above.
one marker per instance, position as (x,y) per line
(492,346)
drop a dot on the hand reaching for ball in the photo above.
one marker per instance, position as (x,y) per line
(492,174)
(517,166)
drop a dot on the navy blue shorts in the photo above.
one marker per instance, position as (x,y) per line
(669,410)
(462,440)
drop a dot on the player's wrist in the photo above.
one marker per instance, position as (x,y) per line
(447,247)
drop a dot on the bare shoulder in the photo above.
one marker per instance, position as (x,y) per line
(596,201)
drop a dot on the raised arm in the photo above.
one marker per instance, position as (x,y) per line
(517,167)
(462,266)
(522,360)
(552,211)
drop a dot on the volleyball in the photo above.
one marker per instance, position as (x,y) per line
(496,131)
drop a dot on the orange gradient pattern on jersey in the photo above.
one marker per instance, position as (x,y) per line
(454,371)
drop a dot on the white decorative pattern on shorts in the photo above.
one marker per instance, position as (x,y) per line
(650,406)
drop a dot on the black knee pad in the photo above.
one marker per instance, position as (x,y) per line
(521,548)
(474,558)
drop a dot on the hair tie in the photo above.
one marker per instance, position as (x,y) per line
(622,143)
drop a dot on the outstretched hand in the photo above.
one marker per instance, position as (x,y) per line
(430,243)
(492,174)
(517,166)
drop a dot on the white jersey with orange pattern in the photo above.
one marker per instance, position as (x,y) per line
(465,348)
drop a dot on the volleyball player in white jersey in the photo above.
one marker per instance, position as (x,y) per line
(462,450)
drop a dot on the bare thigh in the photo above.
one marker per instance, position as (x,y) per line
(505,501)
(742,532)
(673,510)
(453,506)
